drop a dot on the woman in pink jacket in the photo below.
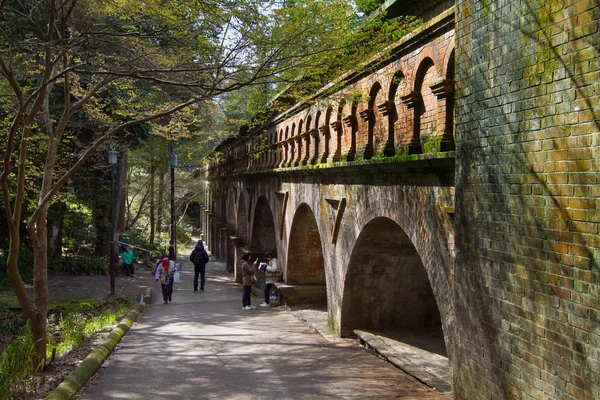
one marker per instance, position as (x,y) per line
(165,270)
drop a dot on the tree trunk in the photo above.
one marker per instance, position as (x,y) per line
(123,191)
(39,234)
(161,203)
(152,210)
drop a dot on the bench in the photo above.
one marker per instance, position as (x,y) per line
(300,294)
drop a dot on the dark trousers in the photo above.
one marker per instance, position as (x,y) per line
(129,268)
(167,291)
(246,295)
(268,287)
(199,270)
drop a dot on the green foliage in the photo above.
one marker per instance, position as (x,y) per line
(24,262)
(432,145)
(368,6)
(78,265)
(17,368)
(76,322)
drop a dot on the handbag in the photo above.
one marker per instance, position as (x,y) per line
(252,278)
(176,277)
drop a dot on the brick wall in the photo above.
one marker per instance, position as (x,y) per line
(527,267)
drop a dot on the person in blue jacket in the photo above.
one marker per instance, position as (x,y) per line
(128,259)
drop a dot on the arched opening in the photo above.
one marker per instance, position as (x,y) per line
(263,228)
(390,147)
(426,106)
(325,139)
(305,263)
(376,129)
(338,132)
(316,141)
(387,289)
(349,150)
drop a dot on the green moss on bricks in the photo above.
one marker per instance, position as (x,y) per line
(432,145)
(80,375)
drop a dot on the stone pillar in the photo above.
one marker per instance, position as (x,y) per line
(350,122)
(292,150)
(304,159)
(298,158)
(368,116)
(413,101)
(324,145)
(283,155)
(388,109)
(444,90)
(314,133)
(336,133)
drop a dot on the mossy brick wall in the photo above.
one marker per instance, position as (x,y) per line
(527,265)
(389,109)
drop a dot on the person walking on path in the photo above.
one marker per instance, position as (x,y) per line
(164,273)
(248,279)
(128,259)
(200,258)
(273,273)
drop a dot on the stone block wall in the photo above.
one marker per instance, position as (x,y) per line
(527,264)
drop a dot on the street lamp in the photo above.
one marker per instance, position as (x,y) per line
(173,226)
(112,160)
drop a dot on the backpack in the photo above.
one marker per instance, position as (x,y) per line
(198,257)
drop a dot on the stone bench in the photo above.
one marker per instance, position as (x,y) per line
(300,294)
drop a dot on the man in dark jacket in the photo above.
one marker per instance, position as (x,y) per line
(199,257)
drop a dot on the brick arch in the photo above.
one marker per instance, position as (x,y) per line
(314,156)
(305,262)
(325,135)
(337,133)
(425,238)
(385,262)
(285,151)
(426,56)
(241,226)
(263,228)
(447,59)
(307,140)
(349,139)
(292,146)
(299,143)
(377,132)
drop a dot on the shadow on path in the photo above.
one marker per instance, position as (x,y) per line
(204,346)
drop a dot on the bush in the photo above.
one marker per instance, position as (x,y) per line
(16,367)
(24,262)
(78,265)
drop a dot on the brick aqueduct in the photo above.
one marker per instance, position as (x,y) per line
(459,196)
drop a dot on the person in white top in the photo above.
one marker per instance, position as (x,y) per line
(274,274)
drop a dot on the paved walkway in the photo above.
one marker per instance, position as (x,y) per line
(204,346)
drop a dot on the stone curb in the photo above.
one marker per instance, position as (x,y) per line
(80,375)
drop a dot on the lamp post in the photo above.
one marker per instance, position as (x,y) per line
(112,160)
(173,225)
